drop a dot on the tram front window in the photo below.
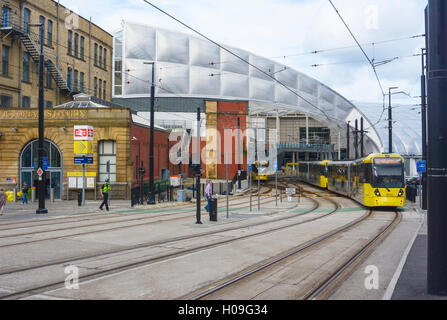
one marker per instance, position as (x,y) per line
(388,174)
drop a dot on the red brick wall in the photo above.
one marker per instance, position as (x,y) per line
(228,112)
(139,151)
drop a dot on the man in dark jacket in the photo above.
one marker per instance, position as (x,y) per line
(105,191)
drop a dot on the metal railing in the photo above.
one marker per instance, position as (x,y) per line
(306,147)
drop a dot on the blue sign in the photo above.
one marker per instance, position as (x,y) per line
(83,160)
(422,166)
(276,166)
(249,166)
(45,164)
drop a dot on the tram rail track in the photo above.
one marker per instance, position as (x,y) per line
(49,287)
(176,217)
(328,284)
(91,216)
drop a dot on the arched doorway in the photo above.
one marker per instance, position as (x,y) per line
(29,165)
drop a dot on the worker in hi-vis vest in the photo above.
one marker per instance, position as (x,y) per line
(105,191)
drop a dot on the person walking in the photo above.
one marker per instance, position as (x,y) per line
(105,191)
(2,200)
(208,194)
(25,193)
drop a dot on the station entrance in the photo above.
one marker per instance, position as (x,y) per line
(29,165)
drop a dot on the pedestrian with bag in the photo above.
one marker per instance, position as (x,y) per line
(208,194)
(105,192)
(2,200)
(25,193)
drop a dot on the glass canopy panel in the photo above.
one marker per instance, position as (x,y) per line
(285,96)
(232,64)
(263,64)
(172,47)
(204,54)
(288,77)
(205,81)
(234,85)
(137,77)
(140,42)
(262,90)
(173,78)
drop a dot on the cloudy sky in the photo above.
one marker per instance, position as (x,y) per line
(285,29)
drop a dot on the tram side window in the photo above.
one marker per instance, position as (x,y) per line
(368,173)
(361,173)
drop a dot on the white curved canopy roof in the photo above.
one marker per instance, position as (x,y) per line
(407,126)
(189,66)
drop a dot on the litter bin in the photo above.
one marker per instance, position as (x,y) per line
(181,196)
(213,209)
(79,198)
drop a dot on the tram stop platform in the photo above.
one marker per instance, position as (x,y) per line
(412,282)
(401,262)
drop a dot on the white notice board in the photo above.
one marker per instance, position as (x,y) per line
(77,183)
(90,183)
(72,182)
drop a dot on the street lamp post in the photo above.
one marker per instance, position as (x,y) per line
(151,195)
(390,123)
(42,176)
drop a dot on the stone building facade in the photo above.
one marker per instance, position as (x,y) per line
(78,54)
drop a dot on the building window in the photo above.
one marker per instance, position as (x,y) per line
(41,29)
(100,89)
(25,75)
(95,86)
(75,81)
(6,101)
(81,82)
(76,44)
(26,102)
(69,44)
(48,80)
(104,91)
(105,59)
(6,17)
(50,33)
(95,61)
(82,47)
(49,105)
(107,152)
(26,19)
(100,56)
(69,77)
(5,61)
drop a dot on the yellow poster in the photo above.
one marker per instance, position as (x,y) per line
(83,147)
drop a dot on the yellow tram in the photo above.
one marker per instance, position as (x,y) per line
(374,181)
(260,168)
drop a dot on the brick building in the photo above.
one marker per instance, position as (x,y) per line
(120,136)
(78,54)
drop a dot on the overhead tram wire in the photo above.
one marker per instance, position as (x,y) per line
(379,63)
(360,46)
(348,47)
(240,58)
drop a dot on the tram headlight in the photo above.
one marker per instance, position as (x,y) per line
(401,192)
(377,193)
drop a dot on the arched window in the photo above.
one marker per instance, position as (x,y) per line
(107,152)
(29,165)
